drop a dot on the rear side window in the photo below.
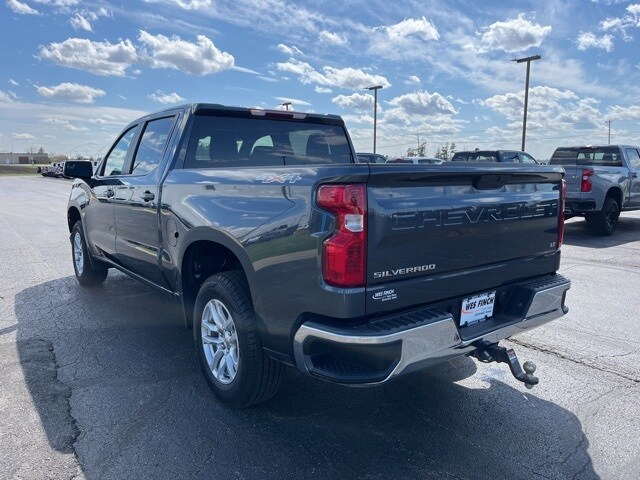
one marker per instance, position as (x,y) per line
(483,157)
(238,142)
(152,145)
(593,156)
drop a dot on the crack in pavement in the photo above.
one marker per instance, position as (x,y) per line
(574,360)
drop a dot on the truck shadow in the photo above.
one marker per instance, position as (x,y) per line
(127,398)
(578,233)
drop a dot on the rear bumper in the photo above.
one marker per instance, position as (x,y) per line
(578,207)
(394,345)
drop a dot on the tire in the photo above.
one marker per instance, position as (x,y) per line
(605,221)
(229,348)
(89,272)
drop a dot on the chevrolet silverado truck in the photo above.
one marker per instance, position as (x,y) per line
(602,181)
(282,249)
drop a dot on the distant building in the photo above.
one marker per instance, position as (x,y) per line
(23,158)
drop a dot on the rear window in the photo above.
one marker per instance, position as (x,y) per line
(475,157)
(596,156)
(218,141)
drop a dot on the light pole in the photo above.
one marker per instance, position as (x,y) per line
(375,89)
(609,137)
(526,92)
(286,105)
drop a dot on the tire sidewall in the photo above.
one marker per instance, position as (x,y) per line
(214,290)
(611,209)
(77,231)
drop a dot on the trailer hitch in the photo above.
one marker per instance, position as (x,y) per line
(492,352)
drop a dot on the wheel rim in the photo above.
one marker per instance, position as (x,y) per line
(220,341)
(78,253)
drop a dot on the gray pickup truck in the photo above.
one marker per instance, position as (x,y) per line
(282,249)
(601,181)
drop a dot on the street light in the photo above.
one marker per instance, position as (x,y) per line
(285,105)
(526,92)
(375,112)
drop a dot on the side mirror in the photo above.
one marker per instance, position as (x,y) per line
(78,169)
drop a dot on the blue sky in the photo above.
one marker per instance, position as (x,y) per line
(75,72)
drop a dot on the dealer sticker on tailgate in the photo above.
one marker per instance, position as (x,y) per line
(477,308)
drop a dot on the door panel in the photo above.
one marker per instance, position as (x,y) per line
(136,204)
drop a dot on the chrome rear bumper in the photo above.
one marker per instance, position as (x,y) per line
(382,350)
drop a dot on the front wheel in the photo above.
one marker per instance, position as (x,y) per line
(228,343)
(89,272)
(605,221)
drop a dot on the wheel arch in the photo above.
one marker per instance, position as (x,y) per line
(73,216)
(203,253)
(616,194)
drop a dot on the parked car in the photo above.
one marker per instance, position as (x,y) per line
(489,156)
(281,250)
(371,158)
(416,160)
(602,181)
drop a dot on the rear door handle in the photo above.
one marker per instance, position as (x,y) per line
(147,196)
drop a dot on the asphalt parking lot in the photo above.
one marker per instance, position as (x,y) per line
(103,383)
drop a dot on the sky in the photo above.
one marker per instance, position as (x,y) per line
(74,73)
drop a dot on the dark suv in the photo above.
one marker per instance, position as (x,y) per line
(488,156)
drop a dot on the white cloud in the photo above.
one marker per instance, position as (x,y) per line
(6,97)
(73,92)
(412,80)
(331,76)
(58,122)
(621,24)
(513,35)
(289,50)
(410,107)
(13,82)
(588,40)
(59,3)
(23,136)
(330,38)
(318,89)
(99,58)
(199,58)
(185,4)
(359,102)
(21,8)
(294,101)
(618,112)
(81,22)
(160,97)
(418,27)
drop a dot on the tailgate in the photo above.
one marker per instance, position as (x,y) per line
(434,221)
(573,177)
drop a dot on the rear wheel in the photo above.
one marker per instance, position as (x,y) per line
(605,221)
(88,271)
(228,343)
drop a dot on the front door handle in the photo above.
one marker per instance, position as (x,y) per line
(147,196)
(109,193)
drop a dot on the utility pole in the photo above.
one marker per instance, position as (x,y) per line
(526,92)
(609,137)
(375,89)
(286,105)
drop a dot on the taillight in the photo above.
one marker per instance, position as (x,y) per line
(563,196)
(585,185)
(344,253)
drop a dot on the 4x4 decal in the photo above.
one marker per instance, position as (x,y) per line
(273,178)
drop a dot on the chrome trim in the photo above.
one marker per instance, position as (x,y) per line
(438,341)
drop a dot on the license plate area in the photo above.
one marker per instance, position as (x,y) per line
(477,308)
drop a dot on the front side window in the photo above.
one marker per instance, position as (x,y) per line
(115,161)
(152,145)
(525,158)
(510,157)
